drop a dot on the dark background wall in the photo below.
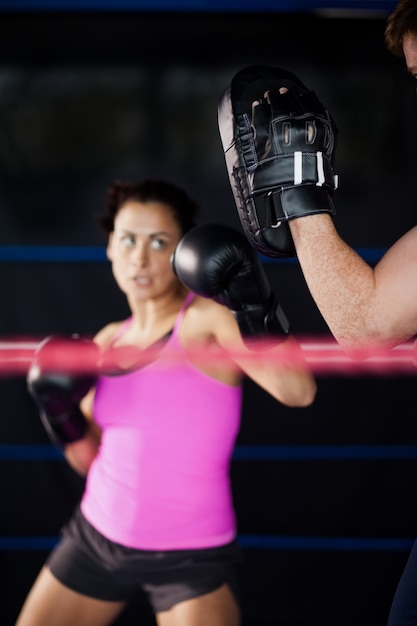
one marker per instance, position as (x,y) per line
(327,518)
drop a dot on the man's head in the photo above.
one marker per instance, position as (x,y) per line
(401,33)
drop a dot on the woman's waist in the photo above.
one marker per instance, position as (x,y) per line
(161,518)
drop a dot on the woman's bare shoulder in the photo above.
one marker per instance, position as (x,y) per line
(106,335)
(206,308)
(205,318)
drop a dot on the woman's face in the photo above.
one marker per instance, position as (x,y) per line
(140,247)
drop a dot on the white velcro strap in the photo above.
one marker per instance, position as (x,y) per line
(298,168)
(320,170)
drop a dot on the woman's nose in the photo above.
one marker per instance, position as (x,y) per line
(139,254)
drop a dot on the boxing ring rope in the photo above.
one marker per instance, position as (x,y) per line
(321,356)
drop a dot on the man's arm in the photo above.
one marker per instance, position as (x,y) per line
(362,306)
(279,143)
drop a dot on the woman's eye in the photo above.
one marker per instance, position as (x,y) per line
(158,244)
(128,241)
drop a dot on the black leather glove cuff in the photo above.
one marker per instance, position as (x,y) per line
(70,427)
(257,324)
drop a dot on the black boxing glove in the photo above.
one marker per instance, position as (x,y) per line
(218,262)
(58,393)
(279,150)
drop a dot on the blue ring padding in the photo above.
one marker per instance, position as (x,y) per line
(77,254)
(30,452)
(274,6)
(49,452)
(386,544)
(324,453)
(27,543)
(275,542)
(97,254)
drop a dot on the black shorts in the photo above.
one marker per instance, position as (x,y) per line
(90,564)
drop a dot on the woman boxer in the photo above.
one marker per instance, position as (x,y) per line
(155,439)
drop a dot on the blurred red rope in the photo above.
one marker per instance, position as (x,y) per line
(321,356)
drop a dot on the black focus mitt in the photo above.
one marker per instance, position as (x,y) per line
(279,143)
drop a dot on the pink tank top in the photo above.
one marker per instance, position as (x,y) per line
(160,480)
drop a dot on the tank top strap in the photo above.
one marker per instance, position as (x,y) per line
(188,299)
(123,328)
(127,322)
